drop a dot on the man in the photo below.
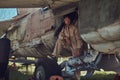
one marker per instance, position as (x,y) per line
(69,38)
(4,56)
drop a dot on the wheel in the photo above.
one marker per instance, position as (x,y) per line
(40,73)
(46,68)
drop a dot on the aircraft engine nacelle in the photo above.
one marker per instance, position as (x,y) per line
(99,24)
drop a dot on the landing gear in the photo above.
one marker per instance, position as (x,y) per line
(45,68)
(40,73)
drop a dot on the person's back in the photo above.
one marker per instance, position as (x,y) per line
(4,55)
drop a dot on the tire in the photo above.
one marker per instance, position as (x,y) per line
(40,73)
(45,68)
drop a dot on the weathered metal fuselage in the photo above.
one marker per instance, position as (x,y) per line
(34,35)
(98,24)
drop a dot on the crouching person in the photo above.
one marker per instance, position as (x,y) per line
(69,38)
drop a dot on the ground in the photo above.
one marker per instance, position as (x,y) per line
(21,74)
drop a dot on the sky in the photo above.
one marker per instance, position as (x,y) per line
(7,13)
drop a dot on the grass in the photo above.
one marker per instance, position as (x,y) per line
(17,75)
(21,74)
(101,76)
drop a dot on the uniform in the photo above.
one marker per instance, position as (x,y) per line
(68,38)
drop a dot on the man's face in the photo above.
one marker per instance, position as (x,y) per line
(67,20)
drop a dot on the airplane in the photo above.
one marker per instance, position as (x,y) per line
(32,31)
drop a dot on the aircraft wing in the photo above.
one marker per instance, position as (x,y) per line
(5,25)
(34,3)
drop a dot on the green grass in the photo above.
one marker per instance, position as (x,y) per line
(101,76)
(21,75)
(17,75)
